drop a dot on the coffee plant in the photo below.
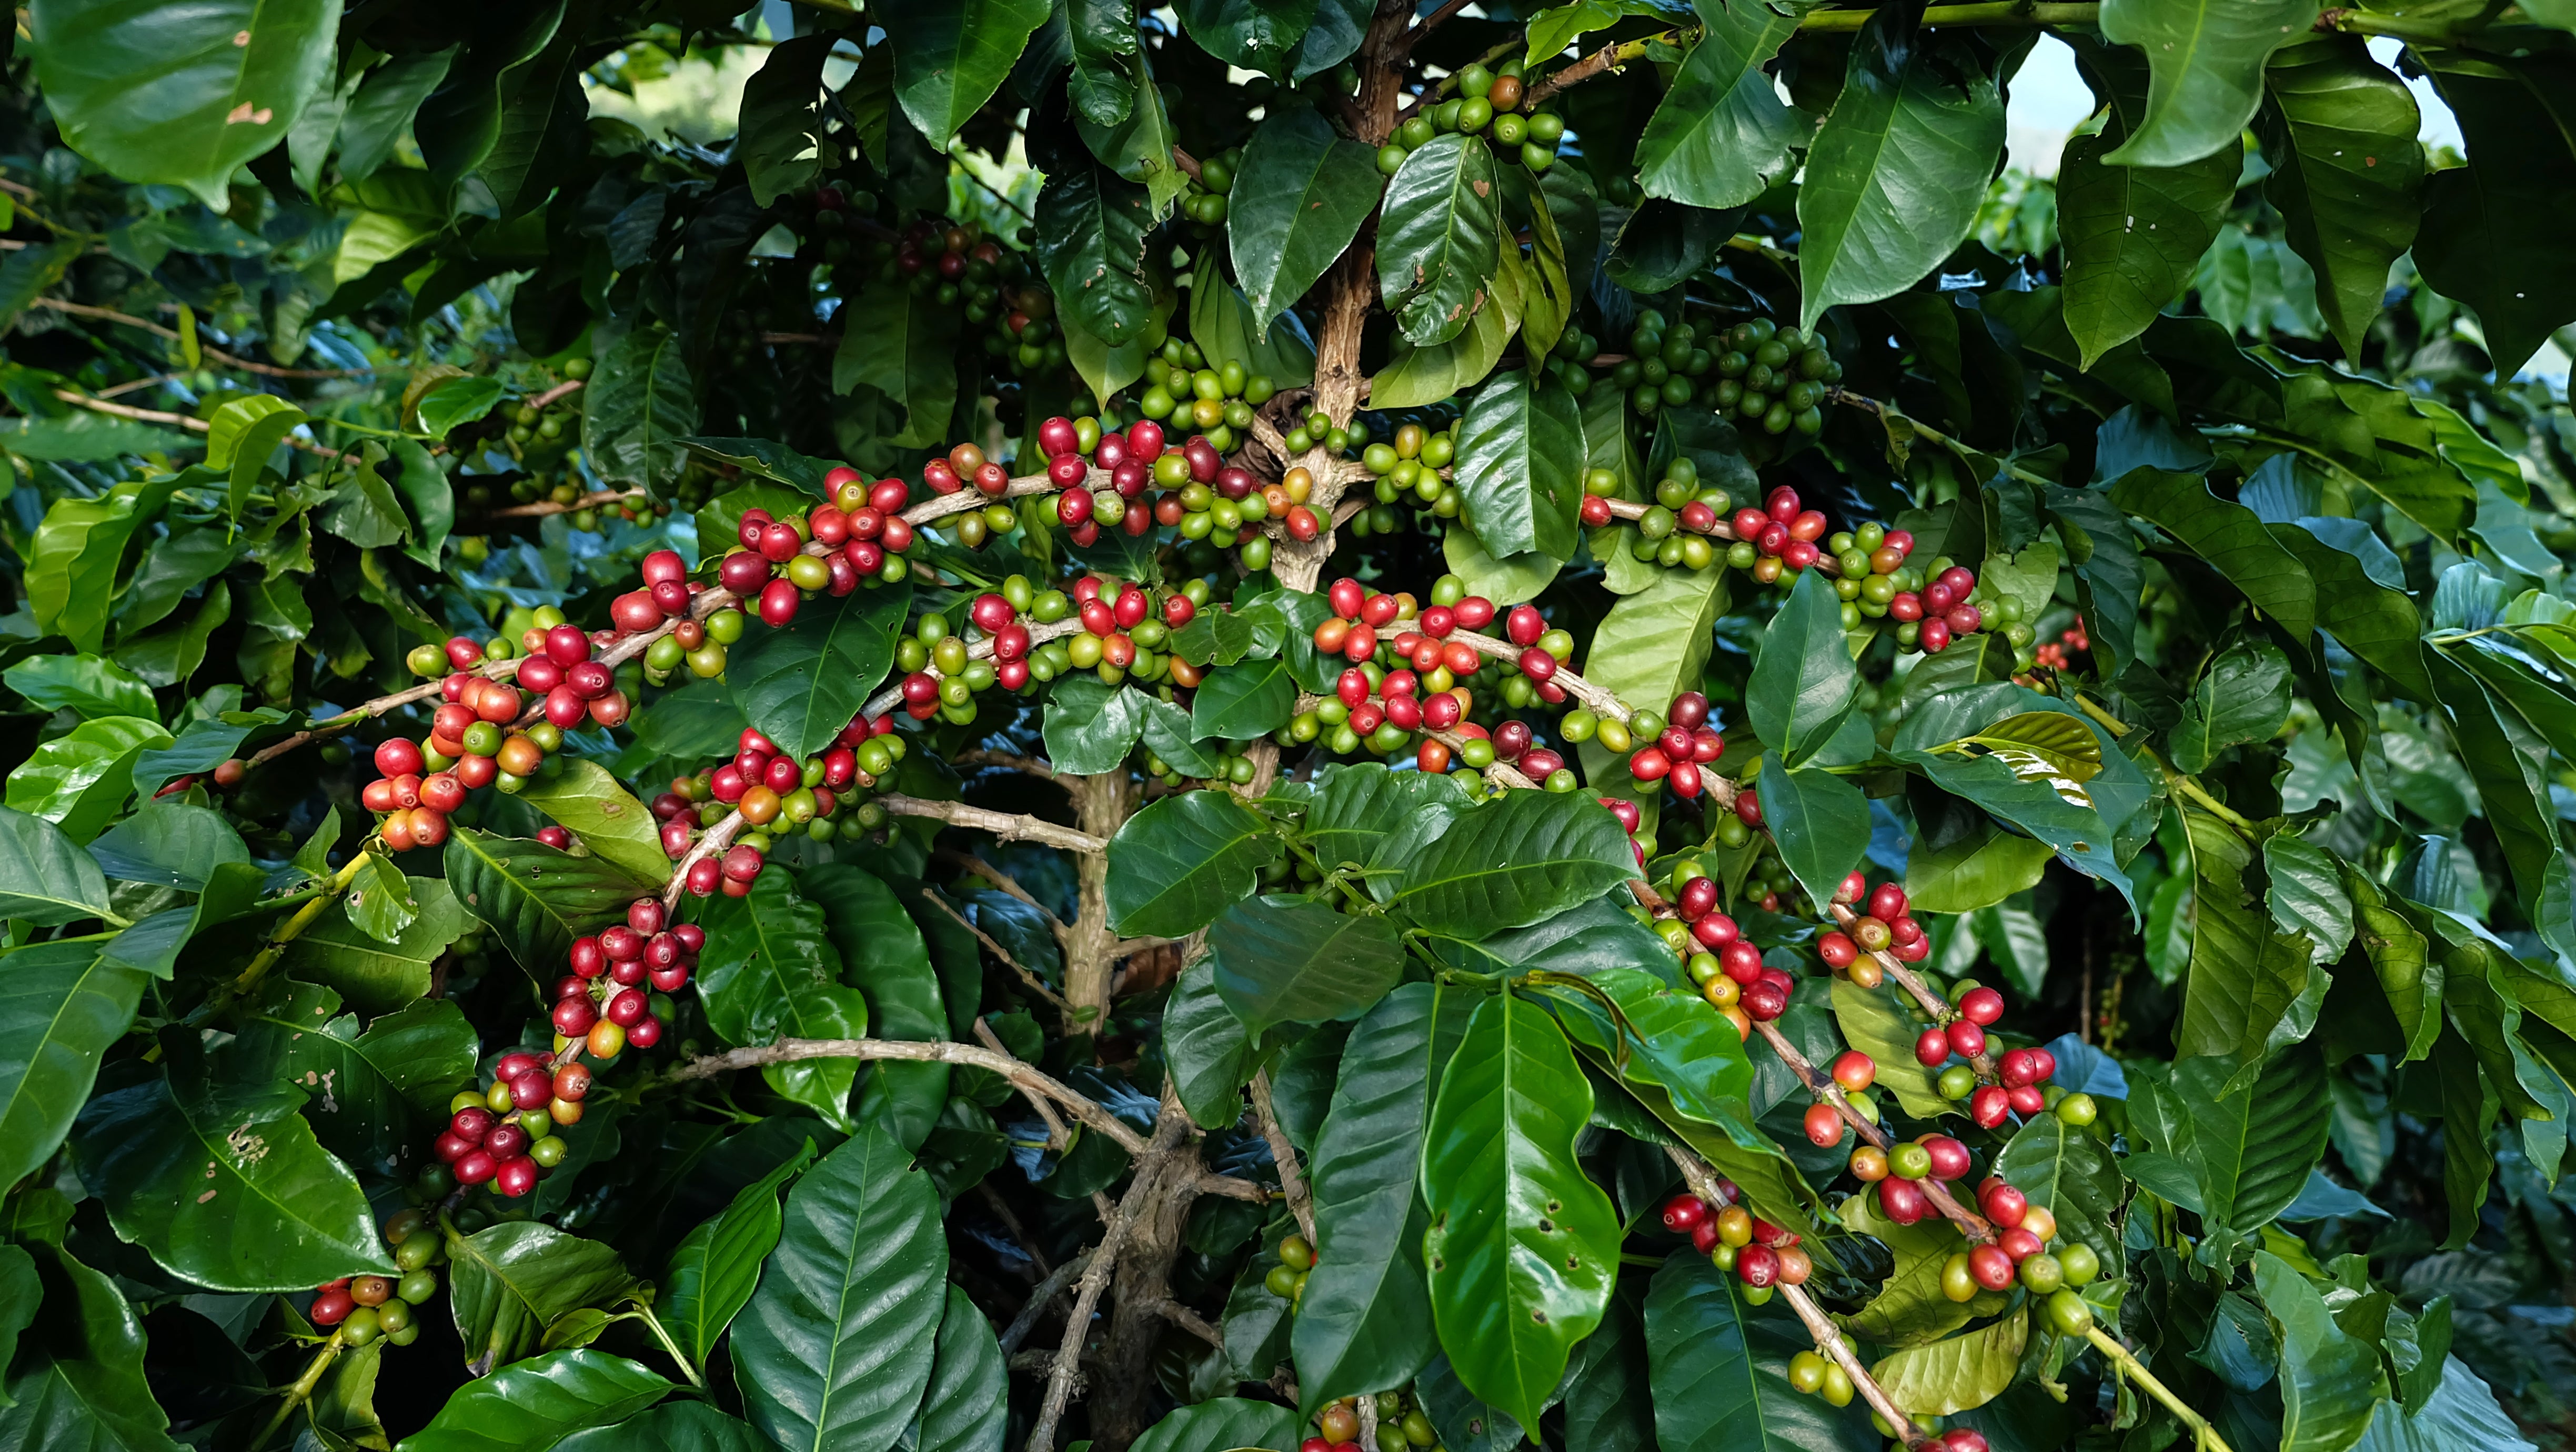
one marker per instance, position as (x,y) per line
(1315,725)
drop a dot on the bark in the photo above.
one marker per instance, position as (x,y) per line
(1101,804)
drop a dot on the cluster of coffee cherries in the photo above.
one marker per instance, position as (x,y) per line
(1675,748)
(1885,926)
(1675,530)
(1720,961)
(475,739)
(1944,609)
(504,1136)
(1187,393)
(1900,1170)
(1203,196)
(364,1308)
(1287,1279)
(1000,295)
(2023,1073)
(1762,1255)
(2052,654)
(2019,1252)
(603,1004)
(1408,468)
(775,794)
(863,532)
(1401,1426)
(1134,458)
(1487,103)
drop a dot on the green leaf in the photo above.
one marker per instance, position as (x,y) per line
(460,399)
(385,1089)
(538,1402)
(1896,172)
(1514,860)
(1238,702)
(1802,675)
(536,898)
(1184,859)
(2347,172)
(1958,1374)
(769,971)
(2510,763)
(2254,1148)
(509,1283)
(782,118)
(717,1264)
(2372,434)
(2250,989)
(1507,581)
(882,952)
(2330,1381)
(82,778)
(2491,234)
(225,1185)
(1223,326)
(2205,70)
(905,347)
(637,406)
(2133,234)
(2408,974)
(1608,1405)
(76,1381)
(1210,1055)
(2070,1172)
(1978,869)
(803,684)
(1522,1249)
(1820,823)
(1414,377)
(670,1427)
(836,1347)
(1223,1422)
(62,1006)
(1299,199)
(1169,735)
(2243,696)
(1670,1039)
(1442,239)
(2374,622)
(1295,960)
(1910,1309)
(45,880)
(1519,475)
(1652,646)
(1362,1324)
(2230,537)
(72,569)
(373,975)
(1873,1023)
(1091,727)
(1720,1371)
(968,1405)
(1357,805)
(1721,135)
(184,98)
(1091,245)
(84,684)
(2307,893)
(1104,45)
(951,56)
(604,816)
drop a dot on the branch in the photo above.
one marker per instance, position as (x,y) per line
(544,507)
(1008,826)
(1036,984)
(1402,50)
(229,360)
(1188,1320)
(173,420)
(1941,1009)
(1031,1081)
(1170,1130)
(1004,881)
(2126,1362)
(565,389)
(1821,1085)
(1292,1181)
(1005,761)
(1041,1298)
(1607,58)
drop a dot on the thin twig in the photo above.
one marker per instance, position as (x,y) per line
(1169,1131)
(1402,50)
(1006,882)
(229,360)
(606,498)
(1292,1180)
(1035,984)
(174,420)
(1040,1298)
(994,1202)
(1059,1138)
(1009,826)
(1006,761)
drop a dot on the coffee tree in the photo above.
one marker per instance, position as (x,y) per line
(1285,724)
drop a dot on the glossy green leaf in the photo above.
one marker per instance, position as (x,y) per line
(1608,1405)
(2307,894)
(72,570)
(1872,1022)
(1978,869)
(2254,1148)
(1668,1038)
(1224,1422)
(802,684)
(1514,860)
(951,56)
(538,1402)
(1721,135)
(883,954)
(374,975)
(1210,1055)
(1958,1374)
(769,971)
(1519,474)
(1357,805)
(1415,376)
(225,1184)
(1224,325)
(2490,232)
(1091,727)
(905,347)
(536,898)
(1652,646)
(1442,239)
(1720,1371)
(717,1264)
(2069,1171)
(1091,245)
(2230,537)
(509,1283)
(2133,234)
(1299,199)
(2329,1380)
(376,1093)
(836,1347)
(85,684)
(602,815)
(1296,960)
(2408,974)
(2374,622)
(782,118)
(1896,172)
(1238,702)
(184,98)
(670,1427)
(1363,1324)
(1184,859)
(1522,1249)
(75,1381)
(636,407)
(1909,1308)
(61,1007)
(2243,696)
(46,880)
(82,778)
(968,1405)
(2205,63)
(1802,676)
(1819,821)
(2347,174)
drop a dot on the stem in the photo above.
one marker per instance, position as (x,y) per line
(2128,1364)
(247,365)
(2212,805)
(1994,12)
(1005,825)
(654,1323)
(298,1394)
(293,928)
(2105,719)
(1292,1181)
